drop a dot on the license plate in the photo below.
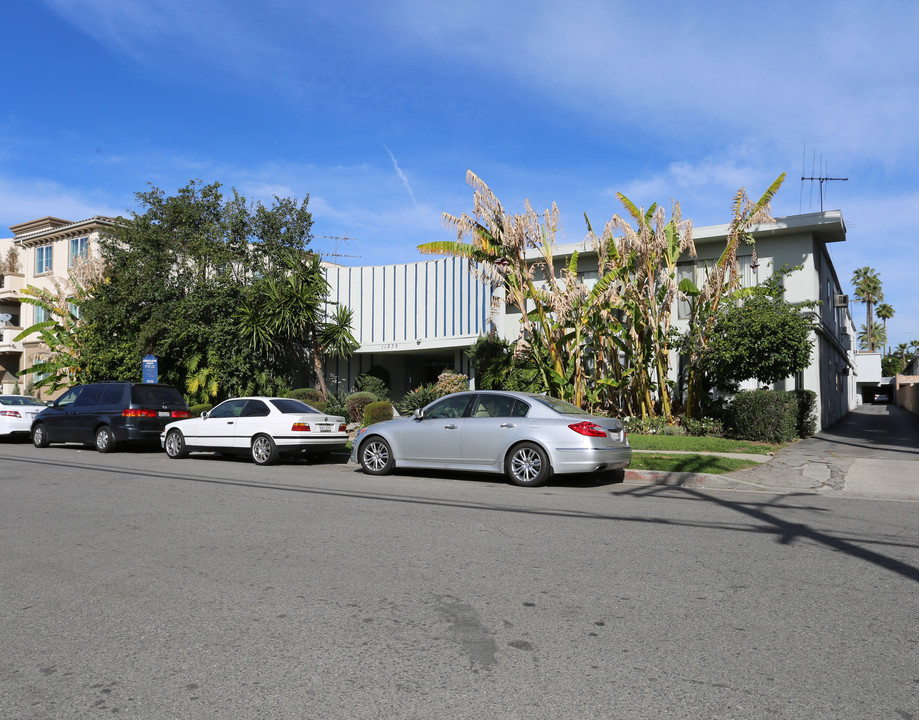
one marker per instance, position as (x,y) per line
(325,428)
(164,414)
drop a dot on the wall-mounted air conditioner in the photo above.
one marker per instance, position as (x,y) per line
(840,301)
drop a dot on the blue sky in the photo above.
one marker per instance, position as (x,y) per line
(376,110)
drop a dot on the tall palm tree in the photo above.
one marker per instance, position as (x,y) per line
(885,311)
(868,290)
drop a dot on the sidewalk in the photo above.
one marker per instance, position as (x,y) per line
(872,453)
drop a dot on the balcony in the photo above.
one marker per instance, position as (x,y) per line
(11,285)
(7,344)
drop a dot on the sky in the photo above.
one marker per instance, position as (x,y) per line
(376,111)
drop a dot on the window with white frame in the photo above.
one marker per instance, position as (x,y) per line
(43,259)
(79,249)
(74,309)
(41,314)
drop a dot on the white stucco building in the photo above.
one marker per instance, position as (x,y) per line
(416,319)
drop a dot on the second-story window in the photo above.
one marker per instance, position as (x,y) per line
(41,314)
(79,249)
(42,259)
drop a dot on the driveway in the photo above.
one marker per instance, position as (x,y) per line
(872,452)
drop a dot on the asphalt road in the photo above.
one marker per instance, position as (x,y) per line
(208,588)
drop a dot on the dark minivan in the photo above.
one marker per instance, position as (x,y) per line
(108,413)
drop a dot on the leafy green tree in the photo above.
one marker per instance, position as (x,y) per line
(892,365)
(761,336)
(175,273)
(869,291)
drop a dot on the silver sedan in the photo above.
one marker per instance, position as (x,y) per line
(528,437)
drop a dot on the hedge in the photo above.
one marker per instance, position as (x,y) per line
(377,412)
(764,416)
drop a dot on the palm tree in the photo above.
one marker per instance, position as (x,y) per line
(869,337)
(868,290)
(885,311)
(284,315)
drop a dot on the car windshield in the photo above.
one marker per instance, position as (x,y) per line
(14,400)
(289,406)
(560,406)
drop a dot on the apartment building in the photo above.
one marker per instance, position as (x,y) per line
(40,253)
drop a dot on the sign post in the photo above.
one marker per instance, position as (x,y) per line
(151,371)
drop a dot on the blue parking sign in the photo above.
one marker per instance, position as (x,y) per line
(151,371)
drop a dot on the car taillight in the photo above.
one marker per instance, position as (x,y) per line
(300,427)
(588,428)
(342,428)
(10,413)
(134,412)
(179,414)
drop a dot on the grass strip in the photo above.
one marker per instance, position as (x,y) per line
(712,464)
(699,444)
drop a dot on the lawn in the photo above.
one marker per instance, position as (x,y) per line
(689,443)
(713,464)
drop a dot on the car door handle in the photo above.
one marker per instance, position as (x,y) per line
(449,427)
(508,425)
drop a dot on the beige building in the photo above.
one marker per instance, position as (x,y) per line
(40,254)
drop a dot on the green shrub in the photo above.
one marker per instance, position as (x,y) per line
(644,426)
(196,410)
(367,382)
(807,412)
(336,403)
(763,416)
(703,427)
(672,430)
(450,381)
(418,398)
(356,404)
(377,412)
(308,395)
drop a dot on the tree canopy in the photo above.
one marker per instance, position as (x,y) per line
(761,336)
(176,274)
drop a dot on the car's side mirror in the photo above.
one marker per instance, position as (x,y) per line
(50,403)
(418,414)
(204,415)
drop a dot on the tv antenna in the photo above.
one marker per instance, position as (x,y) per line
(821,178)
(336,238)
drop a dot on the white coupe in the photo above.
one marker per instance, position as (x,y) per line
(265,428)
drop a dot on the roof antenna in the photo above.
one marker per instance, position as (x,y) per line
(821,178)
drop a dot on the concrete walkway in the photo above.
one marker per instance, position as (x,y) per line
(873,453)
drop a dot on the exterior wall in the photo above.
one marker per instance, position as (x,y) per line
(907,392)
(412,319)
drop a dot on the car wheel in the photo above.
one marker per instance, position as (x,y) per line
(175,445)
(376,457)
(105,440)
(527,465)
(264,450)
(40,437)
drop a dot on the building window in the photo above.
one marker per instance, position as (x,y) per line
(42,259)
(41,314)
(79,250)
(685,271)
(74,309)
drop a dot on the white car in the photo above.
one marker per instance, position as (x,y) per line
(265,428)
(17,413)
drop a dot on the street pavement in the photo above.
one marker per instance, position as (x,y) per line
(871,453)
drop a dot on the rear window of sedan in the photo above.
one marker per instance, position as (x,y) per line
(14,400)
(560,406)
(289,406)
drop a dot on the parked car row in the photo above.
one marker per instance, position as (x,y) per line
(525,436)
(109,414)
